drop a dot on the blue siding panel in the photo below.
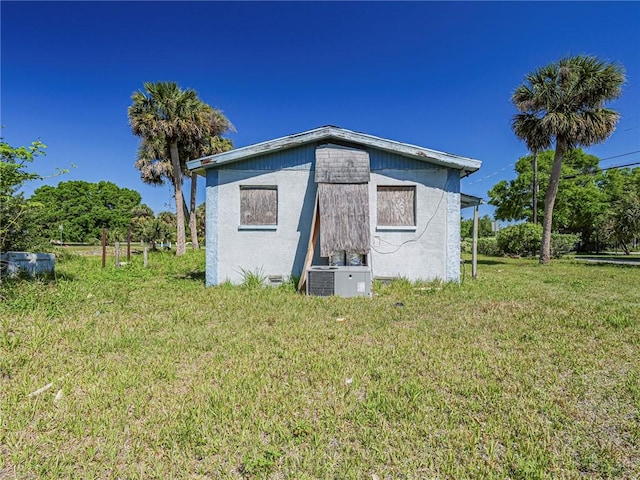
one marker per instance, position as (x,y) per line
(381,160)
(303,158)
(298,158)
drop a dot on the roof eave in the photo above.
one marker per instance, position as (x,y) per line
(464,164)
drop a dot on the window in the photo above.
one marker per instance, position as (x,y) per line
(396,206)
(258,205)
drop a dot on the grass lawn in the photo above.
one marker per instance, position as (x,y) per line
(528,372)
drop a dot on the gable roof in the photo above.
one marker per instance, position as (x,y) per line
(464,164)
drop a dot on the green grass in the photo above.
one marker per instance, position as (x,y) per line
(528,372)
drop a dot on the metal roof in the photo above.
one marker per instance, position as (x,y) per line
(464,164)
(467,200)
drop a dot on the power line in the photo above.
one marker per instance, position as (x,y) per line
(491,174)
(512,164)
(566,177)
(620,166)
(621,155)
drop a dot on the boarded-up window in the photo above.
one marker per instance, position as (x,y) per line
(396,206)
(258,205)
(344,218)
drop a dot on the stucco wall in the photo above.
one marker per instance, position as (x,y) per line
(428,251)
(415,253)
(277,250)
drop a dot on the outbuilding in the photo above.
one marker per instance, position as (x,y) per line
(332,197)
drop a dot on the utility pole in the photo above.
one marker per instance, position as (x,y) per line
(535,186)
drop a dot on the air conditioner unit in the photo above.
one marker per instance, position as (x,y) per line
(325,281)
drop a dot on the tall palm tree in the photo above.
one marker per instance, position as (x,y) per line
(217,125)
(166,114)
(155,163)
(563,103)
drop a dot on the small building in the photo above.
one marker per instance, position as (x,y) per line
(331,196)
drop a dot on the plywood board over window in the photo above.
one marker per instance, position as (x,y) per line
(258,205)
(396,206)
(344,218)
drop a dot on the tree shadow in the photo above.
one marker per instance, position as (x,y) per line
(43,278)
(632,264)
(489,262)
(195,275)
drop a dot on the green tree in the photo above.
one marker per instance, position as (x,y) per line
(485,227)
(201,219)
(580,200)
(624,221)
(140,216)
(17,230)
(563,103)
(83,209)
(156,230)
(174,125)
(620,223)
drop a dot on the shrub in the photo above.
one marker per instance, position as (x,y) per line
(466,244)
(489,246)
(523,239)
(563,243)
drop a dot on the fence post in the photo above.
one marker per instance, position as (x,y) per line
(104,247)
(146,255)
(117,254)
(129,244)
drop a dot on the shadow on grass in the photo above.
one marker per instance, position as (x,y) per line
(196,275)
(604,263)
(43,278)
(489,262)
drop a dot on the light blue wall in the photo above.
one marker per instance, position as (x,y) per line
(223,183)
(381,160)
(299,158)
(212,227)
(453,226)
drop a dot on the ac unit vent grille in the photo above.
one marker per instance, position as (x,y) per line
(321,283)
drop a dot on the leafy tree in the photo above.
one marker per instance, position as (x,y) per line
(174,125)
(485,227)
(563,103)
(140,216)
(201,218)
(17,231)
(167,218)
(83,209)
(621,221)
(157,230)
(624,221)
(580,200)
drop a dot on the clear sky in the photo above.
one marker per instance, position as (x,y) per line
(435,74)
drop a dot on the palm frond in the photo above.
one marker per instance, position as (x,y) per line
(566,99)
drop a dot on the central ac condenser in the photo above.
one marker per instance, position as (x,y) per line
(325,281)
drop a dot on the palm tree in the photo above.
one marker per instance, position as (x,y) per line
(214,143)
(563,103)
(166,115)
(156,163)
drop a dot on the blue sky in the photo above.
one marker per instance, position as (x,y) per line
(435,74)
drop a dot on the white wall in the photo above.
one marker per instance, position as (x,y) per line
(428,251)
(418,253)
(269,252)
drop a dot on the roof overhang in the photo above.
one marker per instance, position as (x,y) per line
(467,201)
(330,133)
